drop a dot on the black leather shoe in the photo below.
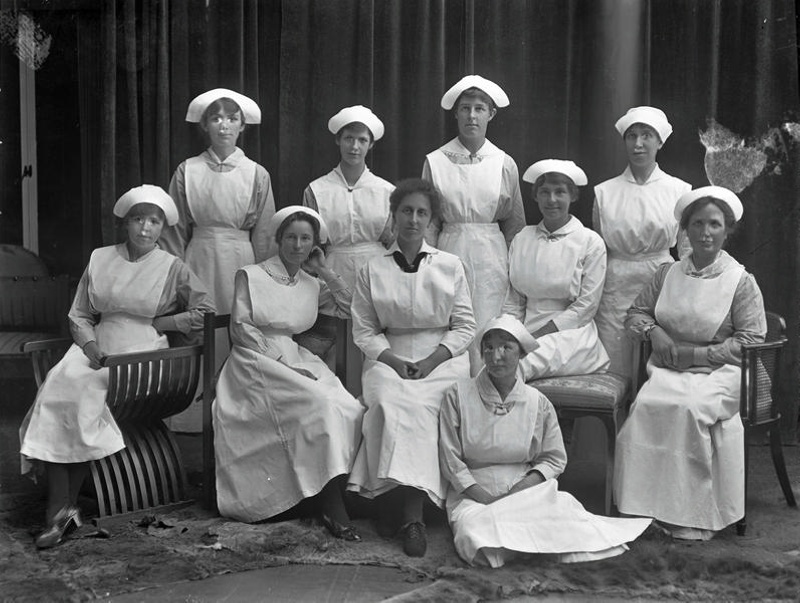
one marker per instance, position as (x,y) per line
(67,520)
(339,530)
(415,542)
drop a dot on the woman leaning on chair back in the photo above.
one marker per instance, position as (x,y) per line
(680,454)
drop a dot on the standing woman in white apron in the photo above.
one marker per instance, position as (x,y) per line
(482,204)
(354,203)
(680,454)
(225,203)
(634,214)
(128,296)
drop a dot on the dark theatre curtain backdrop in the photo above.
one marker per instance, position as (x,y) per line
(570,67)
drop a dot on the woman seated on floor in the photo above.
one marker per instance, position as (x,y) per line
(285,429)
(680,454)
(412,318)
(501,450)
(556,274)
(128,296)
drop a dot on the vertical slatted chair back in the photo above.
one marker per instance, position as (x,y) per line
(211,322)
(761,374)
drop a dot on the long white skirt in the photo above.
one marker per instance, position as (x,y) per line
(680,454)
(538,520)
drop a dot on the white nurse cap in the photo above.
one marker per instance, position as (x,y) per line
(147,193)
(494,91)
(250,110)
(559,166)
(512,326)
(282,214)
(651,116)
(719,193)
(360,114)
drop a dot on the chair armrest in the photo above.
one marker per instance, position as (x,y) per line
(641,354)
(44,355)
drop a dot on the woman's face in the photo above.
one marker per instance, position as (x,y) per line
(296,243)
(707,231)
(473,116)
(501,354)
(354,141)
(554,198)
(144,228)
(412,217)
(642,144)
(223,128)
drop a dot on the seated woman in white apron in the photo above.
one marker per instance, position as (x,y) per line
(501,452)
(413,320)
(354,203)
(482,204)
(285,429)
(225,204)
(633,212)
(128,296)
(556,274)
(680,454)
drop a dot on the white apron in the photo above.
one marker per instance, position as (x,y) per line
(680,454)
(279,436)
(69,421)
(470,194)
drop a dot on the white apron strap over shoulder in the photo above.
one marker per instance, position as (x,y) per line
(693,308)
(230,192)
(472,190)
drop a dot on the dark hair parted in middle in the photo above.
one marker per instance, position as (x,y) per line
(698,204)
(556,178)
(409,186)
(227,105)
(298,216)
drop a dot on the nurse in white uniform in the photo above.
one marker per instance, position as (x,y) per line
(354,203)
(556,271)
(225,204)
(634,214)
(482,205)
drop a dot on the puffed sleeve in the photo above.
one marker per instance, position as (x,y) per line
(549,457)
(435,226)
(82,317)
(451,453)
(510,214)
(596,213)
(593,276)
(244,331)
(515,303)
(184,299)
(462,319)
(642,312)
(175,238)
(335,298)
(309,200)
(749,325)
(263,246)
(367,329)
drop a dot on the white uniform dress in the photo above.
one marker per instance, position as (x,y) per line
(359,228)
(494,443)
(481,213)
(225,207)
(279,436)
(638,225)
(558,276)
(411,313)
(70,422)
(680,454)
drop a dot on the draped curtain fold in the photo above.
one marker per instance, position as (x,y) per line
(570,67)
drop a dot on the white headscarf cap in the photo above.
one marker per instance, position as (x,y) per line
(250,110)
(494,91)
(651,116)
(357,113)
(512,326)
(717,192)
(559,166)
(147,193)
(287,211)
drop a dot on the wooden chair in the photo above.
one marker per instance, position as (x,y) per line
(143,389)
(601,395)
(759,405)
(211,322)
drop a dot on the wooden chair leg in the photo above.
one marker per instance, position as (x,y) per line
(780,466)
(611,441)
(741,525)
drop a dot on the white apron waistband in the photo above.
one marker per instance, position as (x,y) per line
(220,232)
(639,257)
(462,226)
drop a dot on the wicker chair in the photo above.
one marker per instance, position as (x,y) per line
(143,389)
(760,395)
(211,322)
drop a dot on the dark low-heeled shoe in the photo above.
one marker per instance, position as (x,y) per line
(66,520)
(415,542)
(339,530)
